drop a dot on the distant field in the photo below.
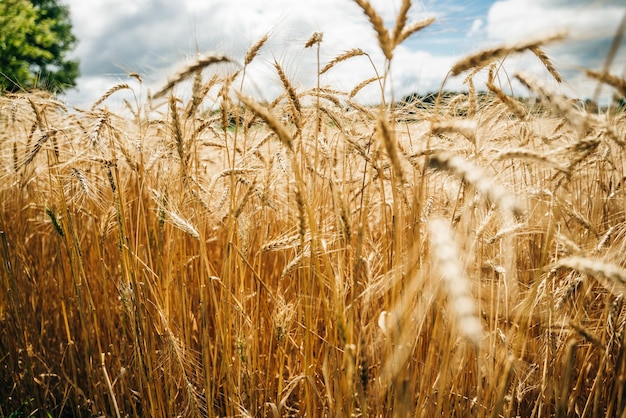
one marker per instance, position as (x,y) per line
(312,256)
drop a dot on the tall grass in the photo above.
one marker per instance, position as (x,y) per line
(312,256)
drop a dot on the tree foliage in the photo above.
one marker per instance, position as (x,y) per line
(35,37)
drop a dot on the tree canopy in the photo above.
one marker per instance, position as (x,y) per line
(35,37)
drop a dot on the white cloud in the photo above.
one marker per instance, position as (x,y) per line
(512,20)
(589,26)
(154,36)
(477,26)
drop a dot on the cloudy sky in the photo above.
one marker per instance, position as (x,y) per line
(156,37)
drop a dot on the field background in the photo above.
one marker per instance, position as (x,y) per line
(312,256)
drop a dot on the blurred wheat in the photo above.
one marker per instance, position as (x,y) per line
(298,259)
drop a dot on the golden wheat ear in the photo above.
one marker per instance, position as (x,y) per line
(254,49)
(476,177)
(355,52)
(611,275)
(109,93)
(315,39)
(619,83)
(382,34)
(200,63)
(485,57)
(455,281)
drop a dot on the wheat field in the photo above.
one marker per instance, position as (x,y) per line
(312,256)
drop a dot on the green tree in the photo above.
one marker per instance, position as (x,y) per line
(35,37)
